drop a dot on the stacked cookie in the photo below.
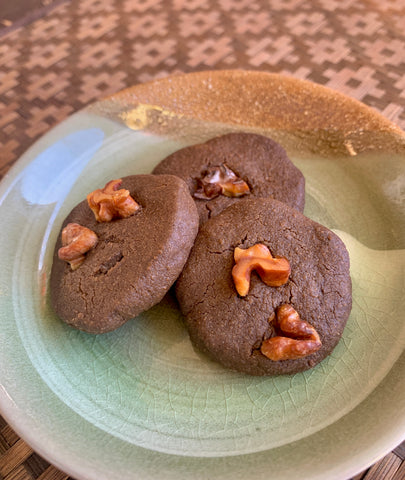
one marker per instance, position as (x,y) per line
(264,290)
(143,228)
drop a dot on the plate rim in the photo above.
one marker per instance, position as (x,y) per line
(129,94)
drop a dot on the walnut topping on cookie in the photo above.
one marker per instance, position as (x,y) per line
(297,338)
(274,272)
(76,242)
(112,202)
(220,180)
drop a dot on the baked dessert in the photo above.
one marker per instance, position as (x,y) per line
(121,250)
(266,290)
(233,167)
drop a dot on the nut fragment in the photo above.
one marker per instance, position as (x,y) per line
(111,202)
(300,339)
(274,272)
(220,179)
(76,241)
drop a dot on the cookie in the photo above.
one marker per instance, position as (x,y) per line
(256,160)
(309,268)
(135,260)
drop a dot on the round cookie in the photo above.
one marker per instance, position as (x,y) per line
(231,328)
(135,261)
(261,162)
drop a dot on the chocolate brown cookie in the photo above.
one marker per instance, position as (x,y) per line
(306,267)
(134,261)
(254,159)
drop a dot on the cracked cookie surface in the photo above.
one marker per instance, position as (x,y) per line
(135,261)
(230,328)
(258,160)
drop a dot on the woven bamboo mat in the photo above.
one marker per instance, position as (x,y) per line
(57,56)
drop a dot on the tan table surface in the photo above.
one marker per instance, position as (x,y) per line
(57,56)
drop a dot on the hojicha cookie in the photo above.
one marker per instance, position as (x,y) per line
(265,290)
(121,250)
(235,166)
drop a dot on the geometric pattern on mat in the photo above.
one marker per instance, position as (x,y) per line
(85,49)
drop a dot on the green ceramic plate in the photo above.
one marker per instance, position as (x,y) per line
(140,402)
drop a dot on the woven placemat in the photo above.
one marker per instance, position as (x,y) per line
(83,50)
(62,55)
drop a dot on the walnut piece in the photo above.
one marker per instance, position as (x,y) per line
(299,338)
(111,202)
(76,241)
(274,272)
(220,180)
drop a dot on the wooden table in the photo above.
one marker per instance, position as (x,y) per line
(58,56)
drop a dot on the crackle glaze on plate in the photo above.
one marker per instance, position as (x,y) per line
(140,402)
